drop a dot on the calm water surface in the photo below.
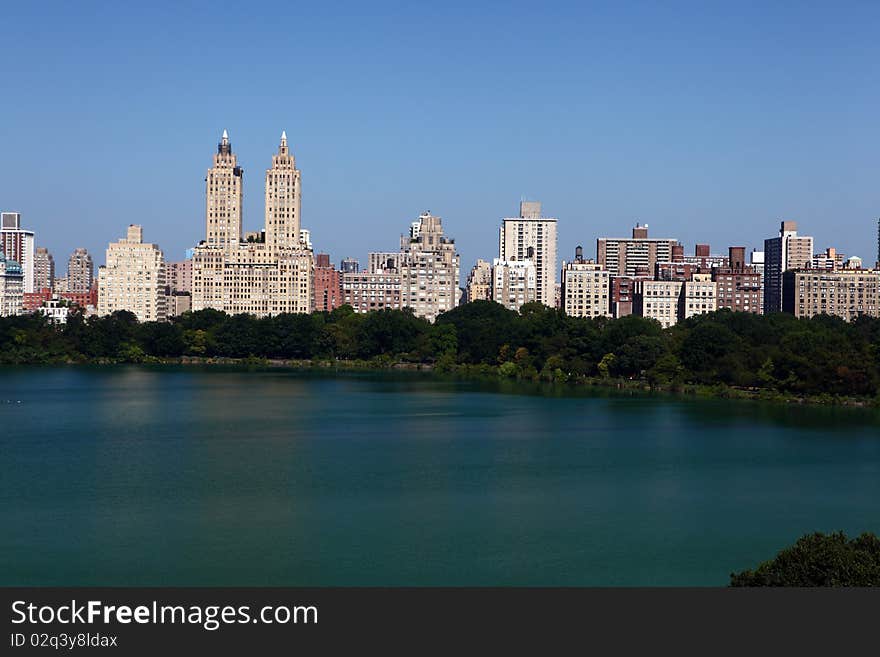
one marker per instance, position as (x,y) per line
(176,476)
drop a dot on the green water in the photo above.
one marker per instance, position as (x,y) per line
(176,476)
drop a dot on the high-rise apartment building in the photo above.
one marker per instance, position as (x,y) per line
(271,272)
(366,292)
(845,293)
(44,269)
(11,287)
(17,244)
(670,302)
(178,276)
(788,251)
(658,300)
(328,287)
(514,282)
(532,231)
(479,282)
(133,278)
(80,271)
(699,296)
(739,284)
(223,198)
(429,270)
(623,256)
(586,288)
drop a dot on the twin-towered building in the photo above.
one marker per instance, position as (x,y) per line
(269,273)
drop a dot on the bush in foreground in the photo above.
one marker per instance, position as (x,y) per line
(819,560)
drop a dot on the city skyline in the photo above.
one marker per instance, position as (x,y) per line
(708,126)
(564,252)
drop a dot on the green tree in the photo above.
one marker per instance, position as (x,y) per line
(819,560)
(605,365)
(666,370)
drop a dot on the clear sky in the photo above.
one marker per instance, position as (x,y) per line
(708,121)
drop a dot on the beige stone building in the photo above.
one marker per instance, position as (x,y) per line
(133,278)
(429,269)
(658,300)
(223,199)
(846,293)
(479,282)
(586,288)
(44,269)
(514,282)
(533,237)
(80,271)
(670,302)
(699,296)
(272,273)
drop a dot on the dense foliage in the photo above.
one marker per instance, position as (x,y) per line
(819,560)
(732,351)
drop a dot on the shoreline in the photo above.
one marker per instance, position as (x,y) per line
(491,373)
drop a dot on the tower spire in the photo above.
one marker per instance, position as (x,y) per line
(224,147)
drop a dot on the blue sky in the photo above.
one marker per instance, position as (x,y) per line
(708,121)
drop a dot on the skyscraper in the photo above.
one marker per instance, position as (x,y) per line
(44,269)
(788,251)
(283,198)
(532,231)
(17,244)
(133,278)
(271,272)
(223,197)
(80,271)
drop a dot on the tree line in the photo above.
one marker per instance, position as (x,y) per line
(823,355)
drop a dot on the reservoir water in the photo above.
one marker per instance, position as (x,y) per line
(186,476)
